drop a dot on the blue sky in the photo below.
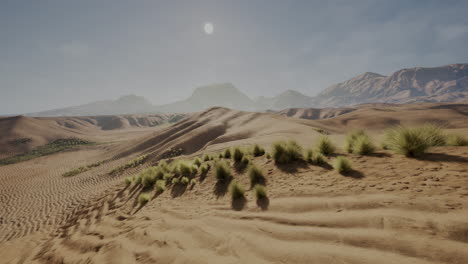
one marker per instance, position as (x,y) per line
(63,52)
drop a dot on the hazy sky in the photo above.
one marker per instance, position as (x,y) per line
(62,53)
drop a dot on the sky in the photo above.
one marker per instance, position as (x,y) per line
(58,53)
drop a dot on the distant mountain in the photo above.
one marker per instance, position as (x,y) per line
(224,94)
(129,104)
(287,99)
(440,84)
(447,83)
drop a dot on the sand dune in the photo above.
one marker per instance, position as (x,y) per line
(21,133)
(391,210)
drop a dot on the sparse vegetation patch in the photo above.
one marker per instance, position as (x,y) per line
(286,152)
(131,164)
(48,149)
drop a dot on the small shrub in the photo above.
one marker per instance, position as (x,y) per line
(325,146)
(160,186)
(220,155)
(413,142)
(204,169)
(363,146)
(268,156)
(138,179)
(206,157)
(185,169)
(351,138)
(143,199)
(260,192)
(236,190)
(238,154)
(175,181)
(258,151)
(222,171)
(184,180)
(286,152)
(318,159)
(342,164)
(456,140)
(255,175)
(197,162)
(227,154)
(193,182)
(128,180)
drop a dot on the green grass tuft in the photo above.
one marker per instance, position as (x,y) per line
(255,175)
(260,192)
(456,140)
(206,157)
(238,154)
(258,151)
(160,186)
(342,164)
(227,153)
(324,146)
(143,199)
(222,171)
(197,162)
(413,142)
(128,180)
(185,180)
(131,164)
(358,142)
(286,152)
(236,190)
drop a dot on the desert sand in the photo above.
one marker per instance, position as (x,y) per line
(391,209)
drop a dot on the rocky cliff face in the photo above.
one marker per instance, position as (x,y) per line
(439,84)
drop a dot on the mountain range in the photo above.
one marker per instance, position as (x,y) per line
(447,83)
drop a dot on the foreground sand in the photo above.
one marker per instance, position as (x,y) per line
(390,210)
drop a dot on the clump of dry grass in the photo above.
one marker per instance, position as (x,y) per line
(255,175)
(286,152)
(143,199)
(258,151)
(260,192)
(325,146)
(359,142)
(413,142)
(236,190)
(222,171)
(342,165)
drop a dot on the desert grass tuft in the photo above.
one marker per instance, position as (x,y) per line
(160,186)
(456,140)
(315,157)
(342,164)
(260,192)
(238,154)
(325,146)
(258,151)
(413,142)
(286,152)
(128,180)
(236,190)
(255,175)
(184,180)
(206,157)
(143,199)
(222,171)
(197,162)
(227,153)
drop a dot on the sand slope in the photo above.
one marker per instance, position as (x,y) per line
(42,130)
(391,209)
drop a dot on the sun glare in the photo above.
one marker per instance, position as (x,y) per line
(208,28)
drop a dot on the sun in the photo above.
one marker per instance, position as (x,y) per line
(208,28)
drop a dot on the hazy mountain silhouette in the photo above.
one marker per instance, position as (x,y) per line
(447,83)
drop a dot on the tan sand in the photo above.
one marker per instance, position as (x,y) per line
(392,209)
